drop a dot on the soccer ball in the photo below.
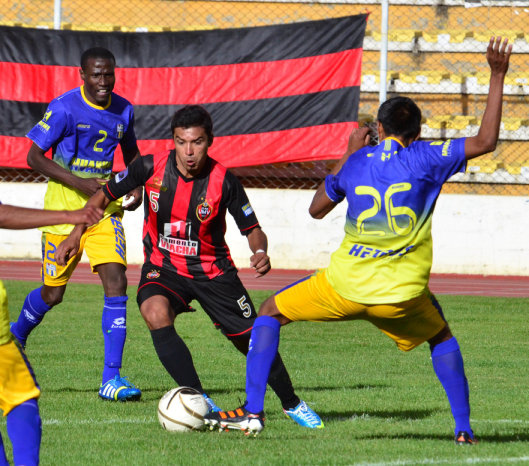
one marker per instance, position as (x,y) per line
(182,409)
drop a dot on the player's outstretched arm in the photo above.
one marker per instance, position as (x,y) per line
(134,198)
(70,246)
(498,55)
(259,244)
(38,161)
(321,205)
(18,218)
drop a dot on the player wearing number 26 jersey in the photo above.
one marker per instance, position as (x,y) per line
(391,190)
(380,272)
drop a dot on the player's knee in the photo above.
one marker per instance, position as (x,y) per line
(52,295)
(155,317)
(269,308)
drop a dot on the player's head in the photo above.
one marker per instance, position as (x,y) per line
(193,115)
(192,131)
(400,117)
(97,72)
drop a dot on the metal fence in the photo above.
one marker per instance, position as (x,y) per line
(435,54)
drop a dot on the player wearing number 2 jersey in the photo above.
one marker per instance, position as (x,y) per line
(187,196)
(380,272)
(82,128)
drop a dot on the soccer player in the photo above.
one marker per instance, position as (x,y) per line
(381,270)
(83,128)
(19,390)
(186,256)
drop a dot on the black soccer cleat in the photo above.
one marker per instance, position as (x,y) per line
(464,438)
(239,419)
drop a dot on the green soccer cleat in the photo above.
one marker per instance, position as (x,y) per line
(119,389)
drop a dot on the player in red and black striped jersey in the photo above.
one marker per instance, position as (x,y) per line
(187,195)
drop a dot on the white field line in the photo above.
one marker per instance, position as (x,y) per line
(510,460)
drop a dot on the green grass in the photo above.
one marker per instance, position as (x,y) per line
(380,406)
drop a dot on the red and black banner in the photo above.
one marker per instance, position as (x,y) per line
(284,93)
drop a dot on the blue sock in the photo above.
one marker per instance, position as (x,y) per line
(3,457)
(448,366)
(31,315)
(114,326)
(264,342)
(24,428)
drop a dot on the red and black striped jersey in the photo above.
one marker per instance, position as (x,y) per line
(185,218)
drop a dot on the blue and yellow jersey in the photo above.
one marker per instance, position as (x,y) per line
(391,190)
(83,137)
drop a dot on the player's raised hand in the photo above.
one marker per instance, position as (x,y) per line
(358,138)
(498,55)
(260,262)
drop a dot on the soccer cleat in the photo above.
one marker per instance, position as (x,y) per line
(239,419)
(119,389)
(464,438)
(212,407)
(304,416)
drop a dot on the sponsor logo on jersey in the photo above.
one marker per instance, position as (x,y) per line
(153,274)
(178,246)
(51,270)
(83,126)
(100,167)
(204,211)
(156,183)
(359,250)
(120,129)
(247,209)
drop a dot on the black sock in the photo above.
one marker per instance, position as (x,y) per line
(280,382)
(175,357)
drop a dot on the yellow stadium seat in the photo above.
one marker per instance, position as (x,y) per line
(513,123)
(458,122)
(484,36)
(483,166)
(398,35)
(517,79)
(430,77)
(456,36)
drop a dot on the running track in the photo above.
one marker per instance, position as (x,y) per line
(478,285)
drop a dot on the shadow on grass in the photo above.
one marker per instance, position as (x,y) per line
(337,416)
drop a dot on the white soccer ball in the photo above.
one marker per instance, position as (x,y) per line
(182,409)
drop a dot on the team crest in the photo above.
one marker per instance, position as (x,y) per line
(120,130)
(204,211)
(153,274)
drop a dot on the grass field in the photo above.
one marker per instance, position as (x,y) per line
(380,406)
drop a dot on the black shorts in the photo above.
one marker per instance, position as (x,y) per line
(224,298)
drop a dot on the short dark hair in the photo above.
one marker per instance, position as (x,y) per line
(193,115)
(96,52)
(400,116)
